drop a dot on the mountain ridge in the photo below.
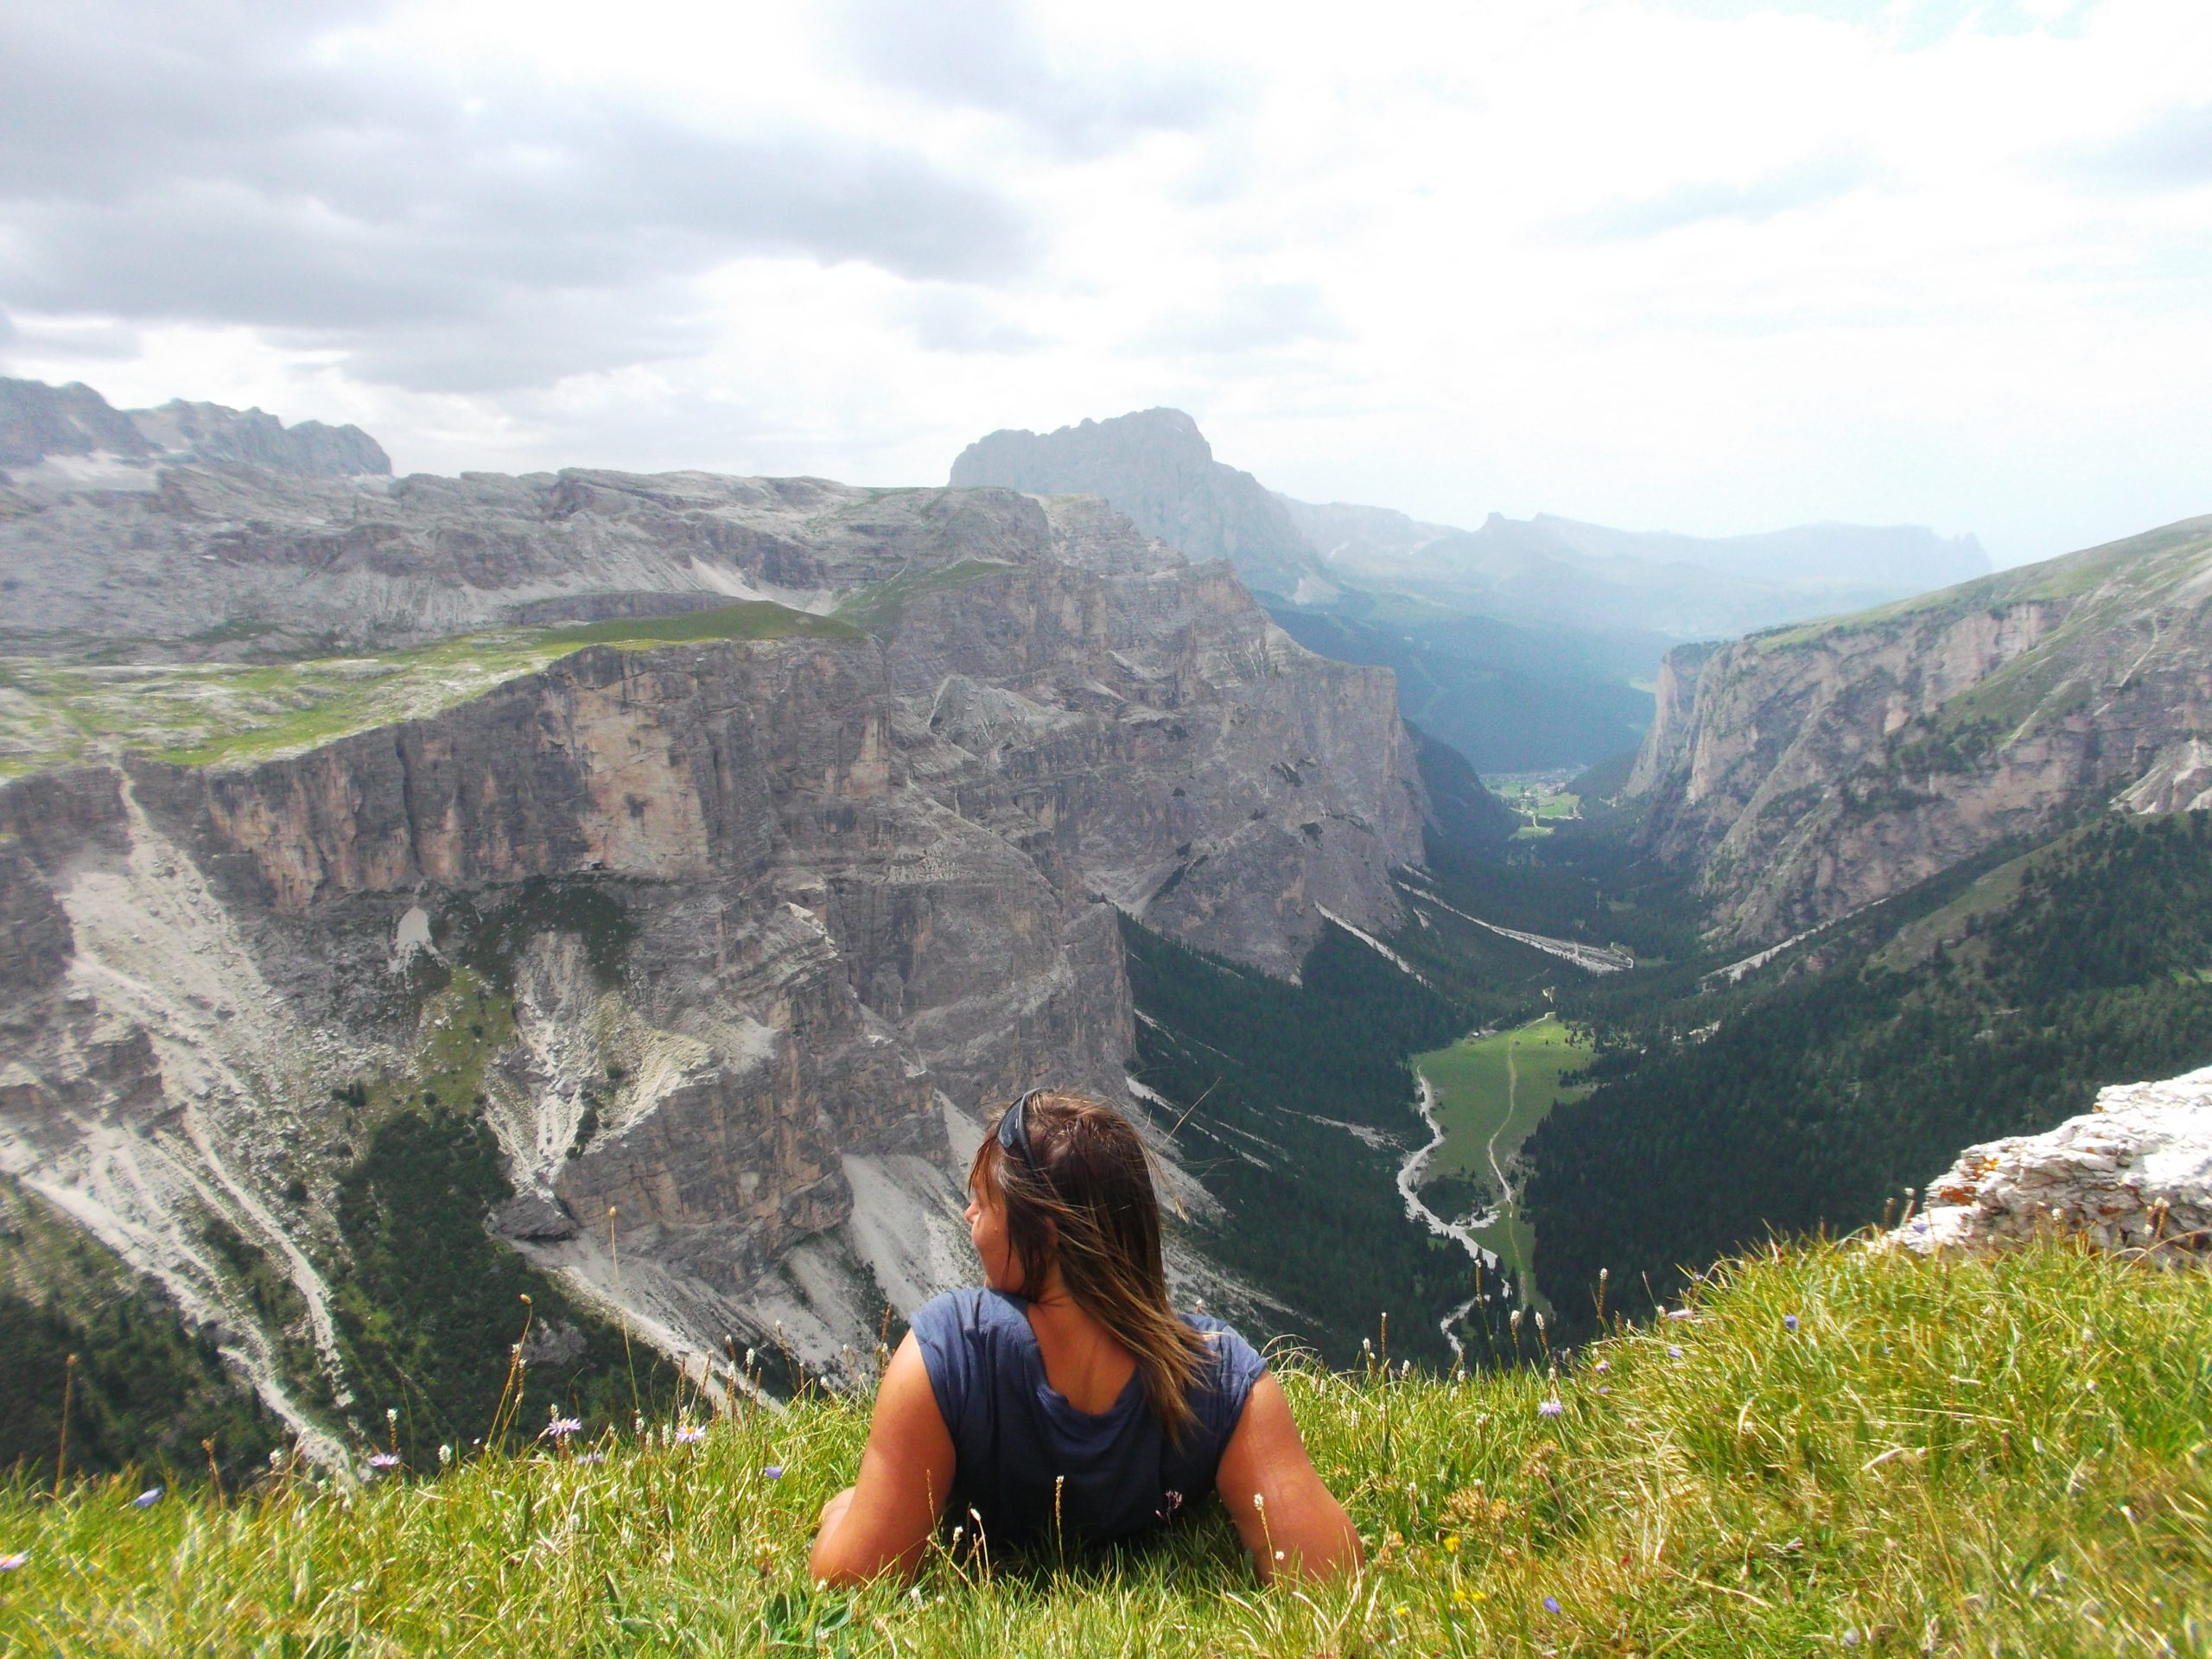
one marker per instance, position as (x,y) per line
(1686,587)
(1810,770)
(40,424)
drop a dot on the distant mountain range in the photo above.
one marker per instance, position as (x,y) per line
(71,437)
(1548,569)
(1525,644)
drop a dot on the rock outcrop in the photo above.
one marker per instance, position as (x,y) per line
(2133,1174)
(1808,771)
(1157,467)
(209,432)
(732,938)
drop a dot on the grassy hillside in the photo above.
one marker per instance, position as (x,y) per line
(1836,1453)
(1989,1002)
(2123,572)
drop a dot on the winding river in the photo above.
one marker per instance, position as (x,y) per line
(1409,1173)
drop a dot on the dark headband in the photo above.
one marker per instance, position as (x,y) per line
(1014,1136)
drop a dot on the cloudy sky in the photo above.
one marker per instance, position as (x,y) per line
(1711,265)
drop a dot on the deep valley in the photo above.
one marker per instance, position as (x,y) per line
(599,912)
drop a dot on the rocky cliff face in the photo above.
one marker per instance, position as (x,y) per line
(729,940)
(1809,772)
(1156,466)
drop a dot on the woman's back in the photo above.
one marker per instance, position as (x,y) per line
(969,1431)
(1031,1465)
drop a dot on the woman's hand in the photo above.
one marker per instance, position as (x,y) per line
(1287,1517)
(882,1524)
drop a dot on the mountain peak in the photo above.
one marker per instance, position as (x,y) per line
(1156,466)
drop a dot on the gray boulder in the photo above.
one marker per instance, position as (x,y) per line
(2133,1174)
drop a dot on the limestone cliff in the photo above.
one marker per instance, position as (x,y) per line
(1808,771)
(728,940)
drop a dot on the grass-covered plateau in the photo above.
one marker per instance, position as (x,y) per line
(56,713)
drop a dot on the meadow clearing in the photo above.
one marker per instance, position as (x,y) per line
(1489,1091)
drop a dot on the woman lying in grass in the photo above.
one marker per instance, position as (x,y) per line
(1066,1400)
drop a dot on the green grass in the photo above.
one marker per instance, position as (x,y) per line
(752,619)
(55,713)
(1943,1459)
(882,604)
(1492,1092)
(1539,805)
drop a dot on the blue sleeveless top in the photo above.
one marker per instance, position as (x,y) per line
(1015,1436)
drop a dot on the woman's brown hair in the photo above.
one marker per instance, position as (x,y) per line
(1086,1202)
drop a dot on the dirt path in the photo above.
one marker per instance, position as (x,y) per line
(1512,1104)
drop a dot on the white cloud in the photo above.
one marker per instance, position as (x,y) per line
(1713,265)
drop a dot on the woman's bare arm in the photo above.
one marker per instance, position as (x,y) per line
(1285,1515)
(882,1524)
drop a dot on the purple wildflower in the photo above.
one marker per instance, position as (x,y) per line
(1680,1313)
(1602,1365)
(1551,1603)
(147,1499)
(774,1472)
(1789,1321)
(690,1436)
(561,1427)
(591,1456)
(1673,1352)
(1550,1407)
(9,1563)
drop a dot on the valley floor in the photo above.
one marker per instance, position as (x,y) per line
(1832,1451)
(1491,1090)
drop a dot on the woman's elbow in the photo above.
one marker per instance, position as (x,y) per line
(1318,1545)
(843,1560)
(844,1571)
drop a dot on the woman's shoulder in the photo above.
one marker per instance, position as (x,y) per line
(966,1337)
(1235,1363)
(970,1312)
